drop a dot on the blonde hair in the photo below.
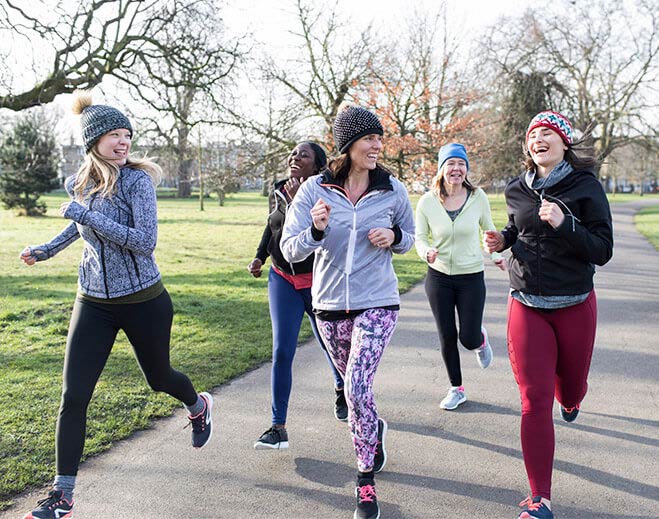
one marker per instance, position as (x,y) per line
(98,175)
(439,188)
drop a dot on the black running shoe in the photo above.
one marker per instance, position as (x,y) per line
(202,424)
(367,502)
(273,438)
(380,459)
(52,507)
(569,414)
(341,406)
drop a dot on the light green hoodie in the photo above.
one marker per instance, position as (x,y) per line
(458,241)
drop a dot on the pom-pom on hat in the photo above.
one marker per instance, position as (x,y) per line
(452,150)
(554,121)
(97,120)
(352,123)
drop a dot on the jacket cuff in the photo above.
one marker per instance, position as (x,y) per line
(75,212)
(317,234)
(398,234)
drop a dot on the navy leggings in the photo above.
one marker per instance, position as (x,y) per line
(92,332)
(466,294)
(287,307)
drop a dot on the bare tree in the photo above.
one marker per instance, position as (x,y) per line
(76,44)
(421,95)
(189,88)
(600,59)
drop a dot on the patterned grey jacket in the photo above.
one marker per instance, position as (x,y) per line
(120,234)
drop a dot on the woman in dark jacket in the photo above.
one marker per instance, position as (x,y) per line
(559,228)
(289,295)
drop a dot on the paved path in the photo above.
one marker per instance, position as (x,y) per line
(444,465)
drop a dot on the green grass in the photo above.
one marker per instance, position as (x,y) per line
(647,223)
(221,324)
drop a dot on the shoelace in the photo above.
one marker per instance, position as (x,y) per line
(530,505)
(54,498)
(367,493)
(198,422)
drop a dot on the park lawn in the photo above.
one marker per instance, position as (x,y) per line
(221,326)
(647,223)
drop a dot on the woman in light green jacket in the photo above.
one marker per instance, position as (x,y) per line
(449,221)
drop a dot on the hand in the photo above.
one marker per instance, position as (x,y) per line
(501,263)
(28,256)
(64,207)
(493,241)
(320,213)
(550,212)
(431,255)
(291,186)
(381,237)
(254,267)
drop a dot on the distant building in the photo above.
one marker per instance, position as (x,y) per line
(72,155)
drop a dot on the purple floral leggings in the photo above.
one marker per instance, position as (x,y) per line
(356,345)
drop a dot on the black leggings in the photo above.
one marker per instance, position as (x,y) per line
(92,332)
(466,293)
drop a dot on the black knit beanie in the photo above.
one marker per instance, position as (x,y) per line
(351,124)
(97,120)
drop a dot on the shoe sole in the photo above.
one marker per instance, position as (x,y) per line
(209,403)
(384,451)
(354,516)
(259,446)
(461,401)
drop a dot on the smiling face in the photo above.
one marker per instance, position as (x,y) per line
(364,152)
(546,147)
(114,146)
(454,171)
(302,162)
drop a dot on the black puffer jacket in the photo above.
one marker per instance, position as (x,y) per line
(553,262)
(269,246)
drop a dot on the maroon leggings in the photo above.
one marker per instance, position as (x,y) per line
(550,356)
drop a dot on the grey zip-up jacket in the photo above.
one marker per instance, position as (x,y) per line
(120,234)
(349,272)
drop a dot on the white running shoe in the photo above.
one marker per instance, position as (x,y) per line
(454,397)
(484,353)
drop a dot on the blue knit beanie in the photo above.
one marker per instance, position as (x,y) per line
(451,151)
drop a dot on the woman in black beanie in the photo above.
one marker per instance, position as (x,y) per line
(289,294)
(352,218)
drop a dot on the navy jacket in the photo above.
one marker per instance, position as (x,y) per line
(552,262)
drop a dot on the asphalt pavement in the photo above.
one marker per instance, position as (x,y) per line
(457,464)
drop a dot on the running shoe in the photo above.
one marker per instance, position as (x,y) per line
(341,406)
(569,414)
(367,502)
(52,507)
(454,397)
(534,508)
(380,459)
(484,352)
(202,424)
(273,438)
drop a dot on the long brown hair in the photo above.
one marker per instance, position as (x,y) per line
(580,154)
(339,167)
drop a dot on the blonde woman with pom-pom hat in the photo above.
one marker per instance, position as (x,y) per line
(113,209)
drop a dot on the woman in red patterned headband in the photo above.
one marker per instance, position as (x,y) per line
(559,228)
